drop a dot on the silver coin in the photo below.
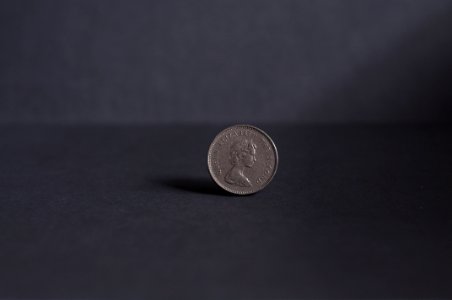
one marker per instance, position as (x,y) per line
(242,159)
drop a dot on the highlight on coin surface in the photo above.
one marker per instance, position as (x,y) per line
(242,159)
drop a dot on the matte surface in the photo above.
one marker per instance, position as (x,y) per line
(354,211)
(225,60)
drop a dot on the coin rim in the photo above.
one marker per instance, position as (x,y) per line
(220,184)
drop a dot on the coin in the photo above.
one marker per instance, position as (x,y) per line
(242,159)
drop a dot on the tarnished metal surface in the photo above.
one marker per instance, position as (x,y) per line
(242,159)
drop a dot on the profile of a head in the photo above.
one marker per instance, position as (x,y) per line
(243,153)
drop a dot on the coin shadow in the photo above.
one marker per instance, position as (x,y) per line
(194,185)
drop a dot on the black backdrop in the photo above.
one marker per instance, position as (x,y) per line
(227,61)
(129,211)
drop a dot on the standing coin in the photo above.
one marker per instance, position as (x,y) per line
(242,159)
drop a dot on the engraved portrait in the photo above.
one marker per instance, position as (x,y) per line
(242,155)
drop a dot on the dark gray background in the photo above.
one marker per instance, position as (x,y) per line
(100,211)
(225,61)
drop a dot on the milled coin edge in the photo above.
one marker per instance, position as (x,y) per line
(220,184)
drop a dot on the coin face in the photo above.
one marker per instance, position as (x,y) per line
(242,159)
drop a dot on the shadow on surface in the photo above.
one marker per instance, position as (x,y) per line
(194,185)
